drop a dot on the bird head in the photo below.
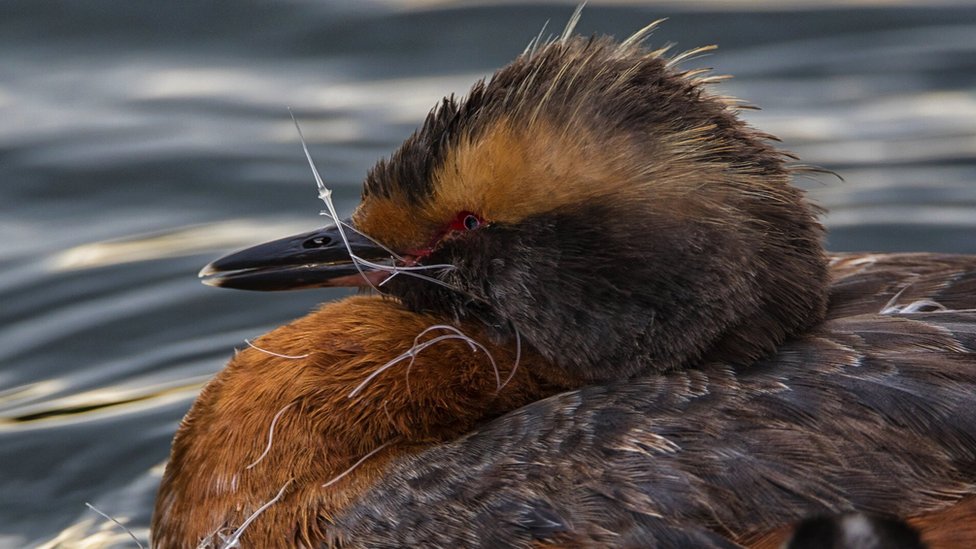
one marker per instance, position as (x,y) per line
(592,198)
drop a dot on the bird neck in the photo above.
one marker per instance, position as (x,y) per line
(316,408)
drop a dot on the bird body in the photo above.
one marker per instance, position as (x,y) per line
(868,411)
(609,321)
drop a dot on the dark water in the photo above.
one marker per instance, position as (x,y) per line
(138,141)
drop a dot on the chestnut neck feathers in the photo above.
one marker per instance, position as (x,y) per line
(287,415)
(632,222)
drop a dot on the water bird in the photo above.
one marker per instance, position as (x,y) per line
(644,342)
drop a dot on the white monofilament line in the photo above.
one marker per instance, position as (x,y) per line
(267,448)
(371,453)
(416,342)
(272,353)
(120,525)
(235,538)
(410,353)
(325,194)
(518,357)
(415,349)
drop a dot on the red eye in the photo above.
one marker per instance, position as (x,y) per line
(471,222)
(466,221)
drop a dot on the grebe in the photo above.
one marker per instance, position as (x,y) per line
(688,366)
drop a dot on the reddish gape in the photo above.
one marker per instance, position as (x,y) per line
(596,210)
(464,221)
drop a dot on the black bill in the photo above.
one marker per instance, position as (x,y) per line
(308,260)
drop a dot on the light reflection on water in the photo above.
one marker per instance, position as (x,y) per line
(137,144)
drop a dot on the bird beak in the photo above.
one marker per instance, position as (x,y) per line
(308,260)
